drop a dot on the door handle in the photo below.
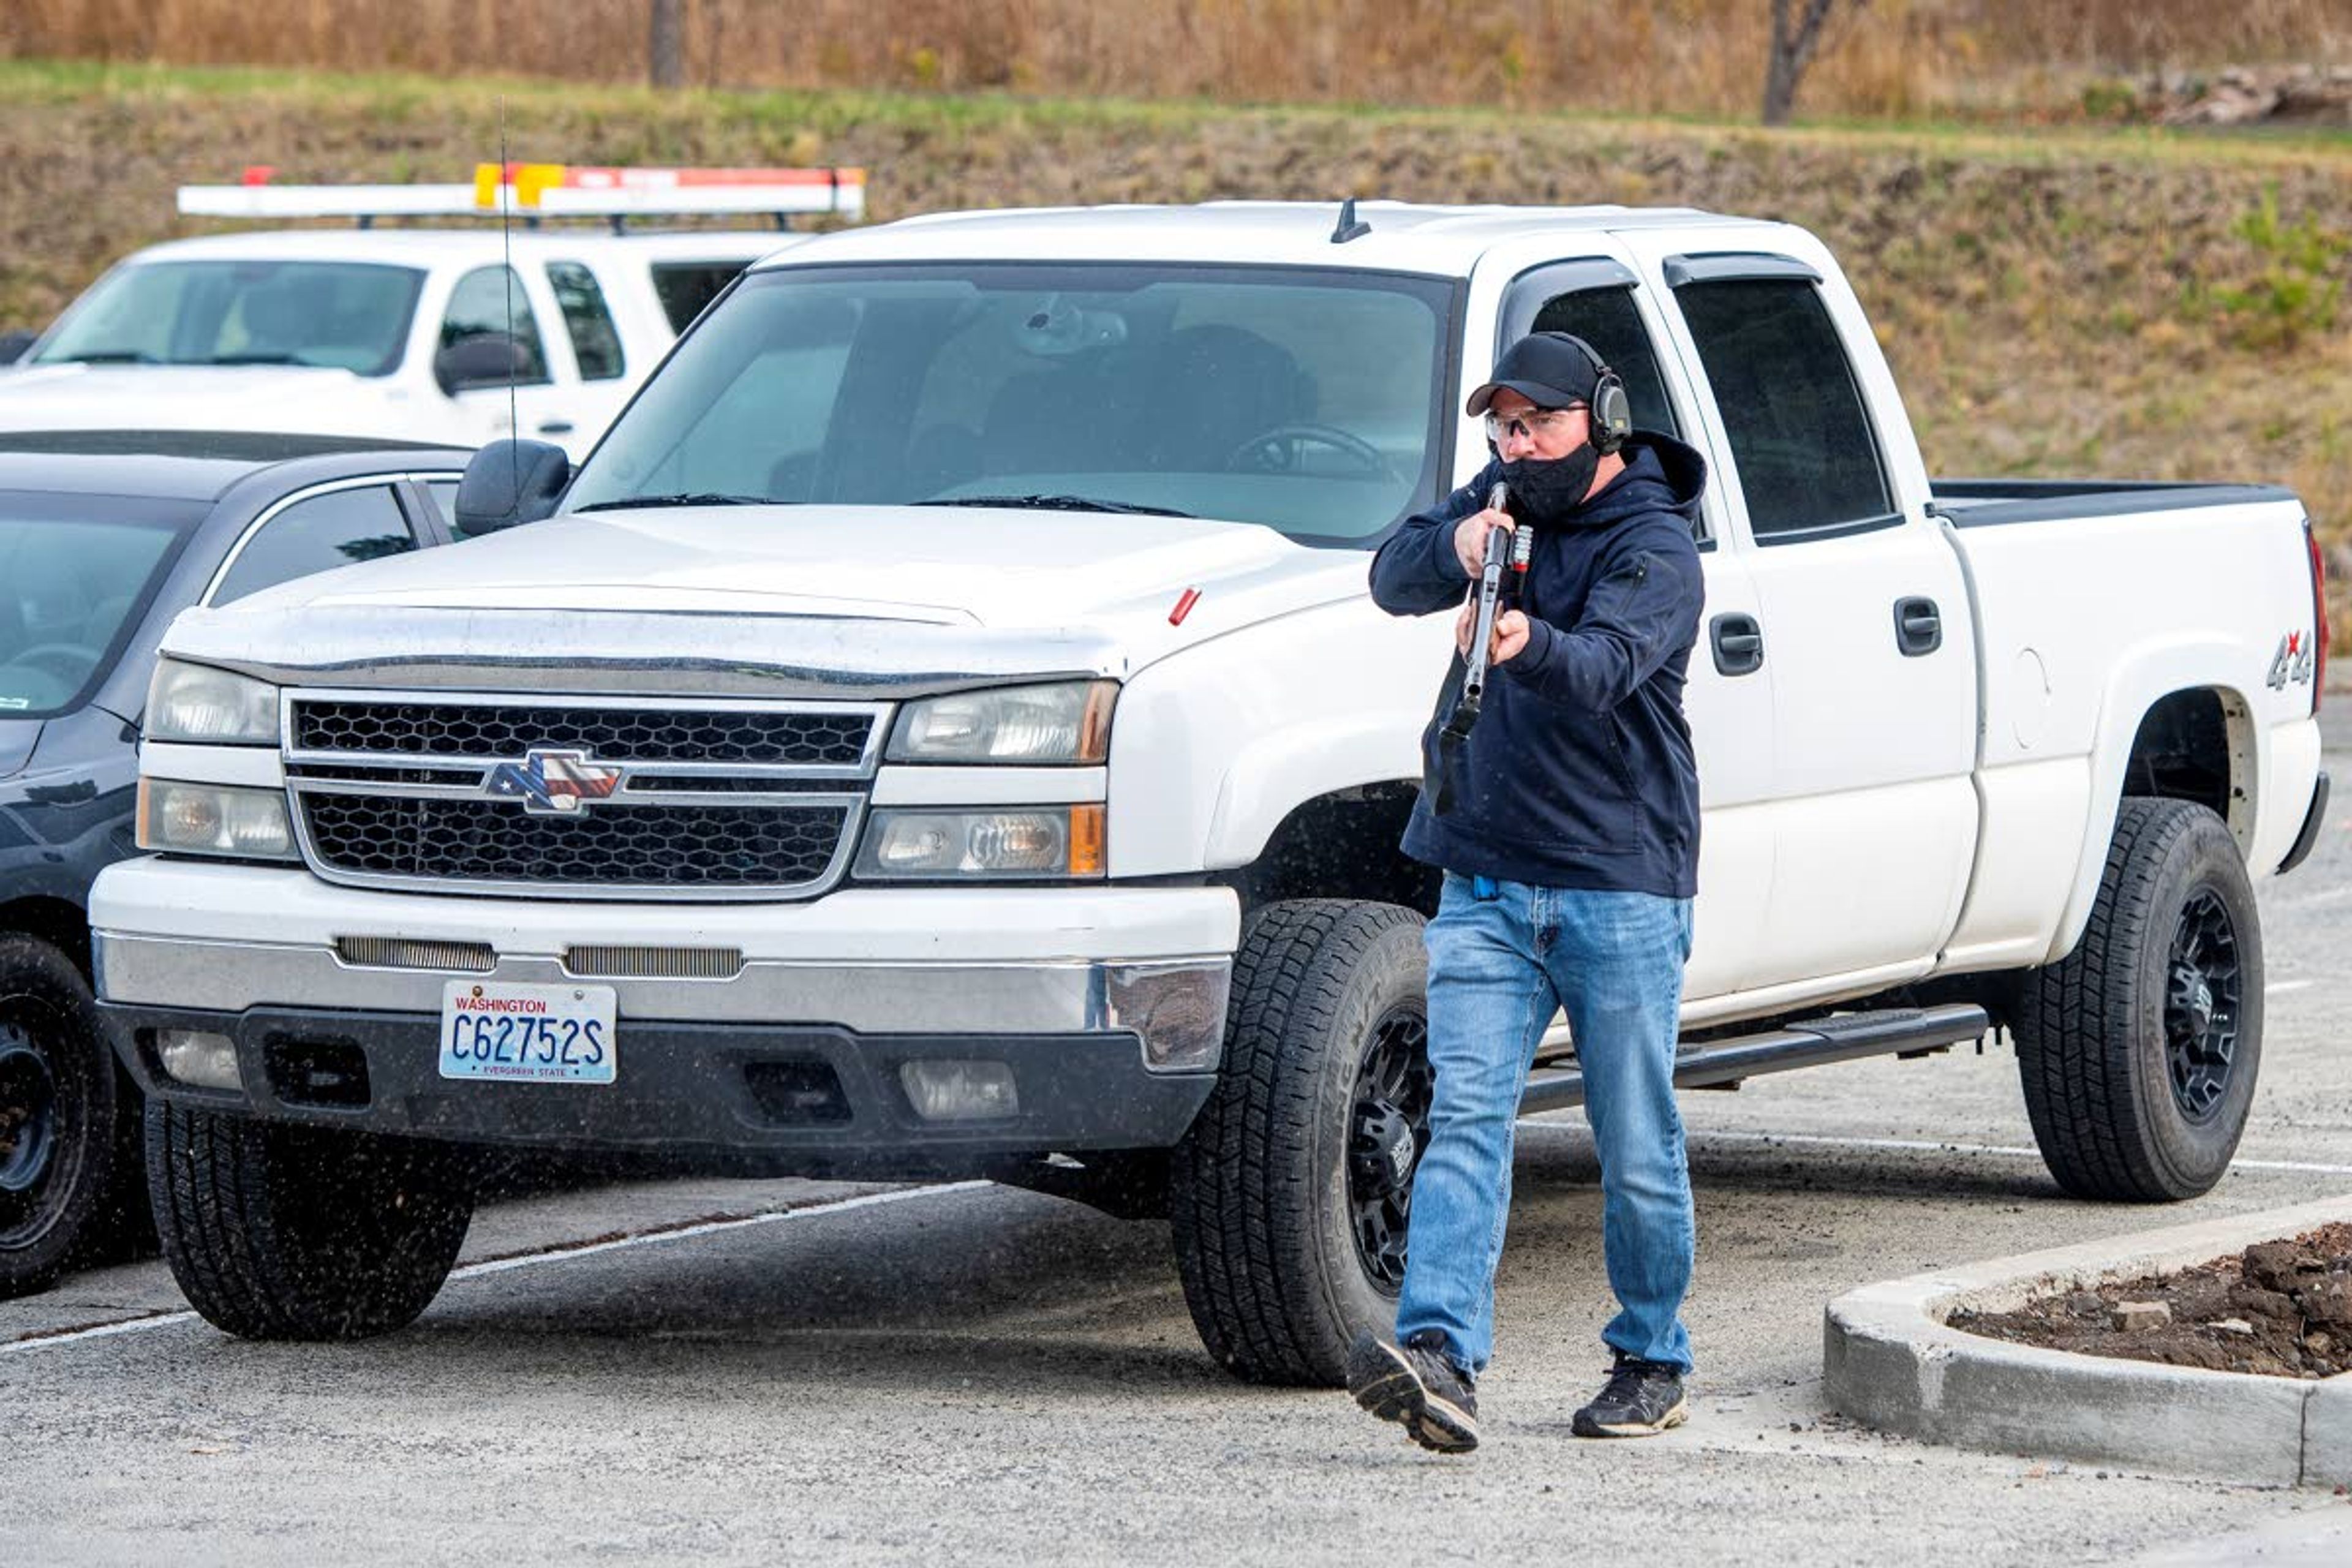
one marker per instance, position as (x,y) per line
(1918,627)
(556,427)
(1738,643)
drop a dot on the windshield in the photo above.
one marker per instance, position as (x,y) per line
(352,316)
(69,592)
(1304,400)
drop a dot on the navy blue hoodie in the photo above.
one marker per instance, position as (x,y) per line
(1579,771)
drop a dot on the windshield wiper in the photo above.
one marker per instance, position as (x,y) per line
(103,356)
(1058,504)
(697,498)
(261,359)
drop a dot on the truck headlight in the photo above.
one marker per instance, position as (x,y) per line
(1035,841)
(196,703)
(1061,722)
(177,818)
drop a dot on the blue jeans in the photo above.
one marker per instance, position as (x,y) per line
(1499,967)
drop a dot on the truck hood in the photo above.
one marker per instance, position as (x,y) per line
(168,398)
(817,597)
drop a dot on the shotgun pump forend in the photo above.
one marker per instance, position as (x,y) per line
(1490,597)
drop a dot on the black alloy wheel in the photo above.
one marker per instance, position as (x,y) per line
(29,1123)
(59,1102)
(2204,988)
(1289,1196)
(1388,1132)
(2139,1050)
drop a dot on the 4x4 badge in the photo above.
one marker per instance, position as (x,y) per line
(2292,663)
(553,783)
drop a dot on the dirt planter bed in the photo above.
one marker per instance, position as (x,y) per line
(1891,1359)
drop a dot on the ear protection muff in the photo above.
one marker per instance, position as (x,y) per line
(1613,411)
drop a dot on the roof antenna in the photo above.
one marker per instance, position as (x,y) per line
(506,247)
(1348,228)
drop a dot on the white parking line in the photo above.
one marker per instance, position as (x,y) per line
(2280,988)
(707,1227)
(552,1255)
(875,1200)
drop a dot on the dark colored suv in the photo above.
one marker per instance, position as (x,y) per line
(104,536)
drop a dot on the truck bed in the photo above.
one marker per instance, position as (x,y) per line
(1984,503)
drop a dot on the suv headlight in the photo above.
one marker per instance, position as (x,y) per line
(1061,722)
(196,703)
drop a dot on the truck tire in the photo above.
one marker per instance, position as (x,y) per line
(62,1109)
(1289,1194)
(300,1233)
(2138,1051)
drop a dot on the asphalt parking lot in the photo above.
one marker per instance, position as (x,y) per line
(753,1372)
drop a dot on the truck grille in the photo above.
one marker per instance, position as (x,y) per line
(639,846)
(598,799)
(641,734)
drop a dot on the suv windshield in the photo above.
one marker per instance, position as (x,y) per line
(350,316)
(1302,399)
(68,590)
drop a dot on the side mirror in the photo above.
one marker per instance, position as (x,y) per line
(14,345)
(486,358)
(508,483)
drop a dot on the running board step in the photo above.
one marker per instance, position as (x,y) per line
(1848,1037)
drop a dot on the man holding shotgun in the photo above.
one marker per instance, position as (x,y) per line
(1561,803)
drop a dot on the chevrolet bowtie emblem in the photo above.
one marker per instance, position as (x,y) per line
(553,783)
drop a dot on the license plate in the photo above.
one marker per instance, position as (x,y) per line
(528,1034)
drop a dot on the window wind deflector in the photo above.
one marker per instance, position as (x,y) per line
(1733,265)
(1586,272)
(697,498)
(1058,504)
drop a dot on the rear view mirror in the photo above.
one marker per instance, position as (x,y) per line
(14,345)
(486,358)
(508,483)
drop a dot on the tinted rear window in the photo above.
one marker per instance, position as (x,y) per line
(1798,428)
(686,287)
(595,343)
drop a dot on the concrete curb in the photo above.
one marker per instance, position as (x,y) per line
(1889,1360)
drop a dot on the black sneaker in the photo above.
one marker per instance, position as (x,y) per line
(1643,1399)
(1418,1386)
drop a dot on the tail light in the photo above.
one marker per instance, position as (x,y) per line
(2318,615)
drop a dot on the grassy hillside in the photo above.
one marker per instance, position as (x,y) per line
(2136,304)
(2001,58)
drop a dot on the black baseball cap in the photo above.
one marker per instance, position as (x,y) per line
(1551,369)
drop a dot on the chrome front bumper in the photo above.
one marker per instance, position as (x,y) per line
(1176,1006)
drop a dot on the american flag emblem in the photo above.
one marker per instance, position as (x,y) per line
(557,782)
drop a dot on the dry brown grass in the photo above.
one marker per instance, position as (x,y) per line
(1679,57)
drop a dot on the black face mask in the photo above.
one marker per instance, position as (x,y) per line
(1546,491)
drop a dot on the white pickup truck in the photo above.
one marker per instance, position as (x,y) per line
(944,730)
(455,336)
